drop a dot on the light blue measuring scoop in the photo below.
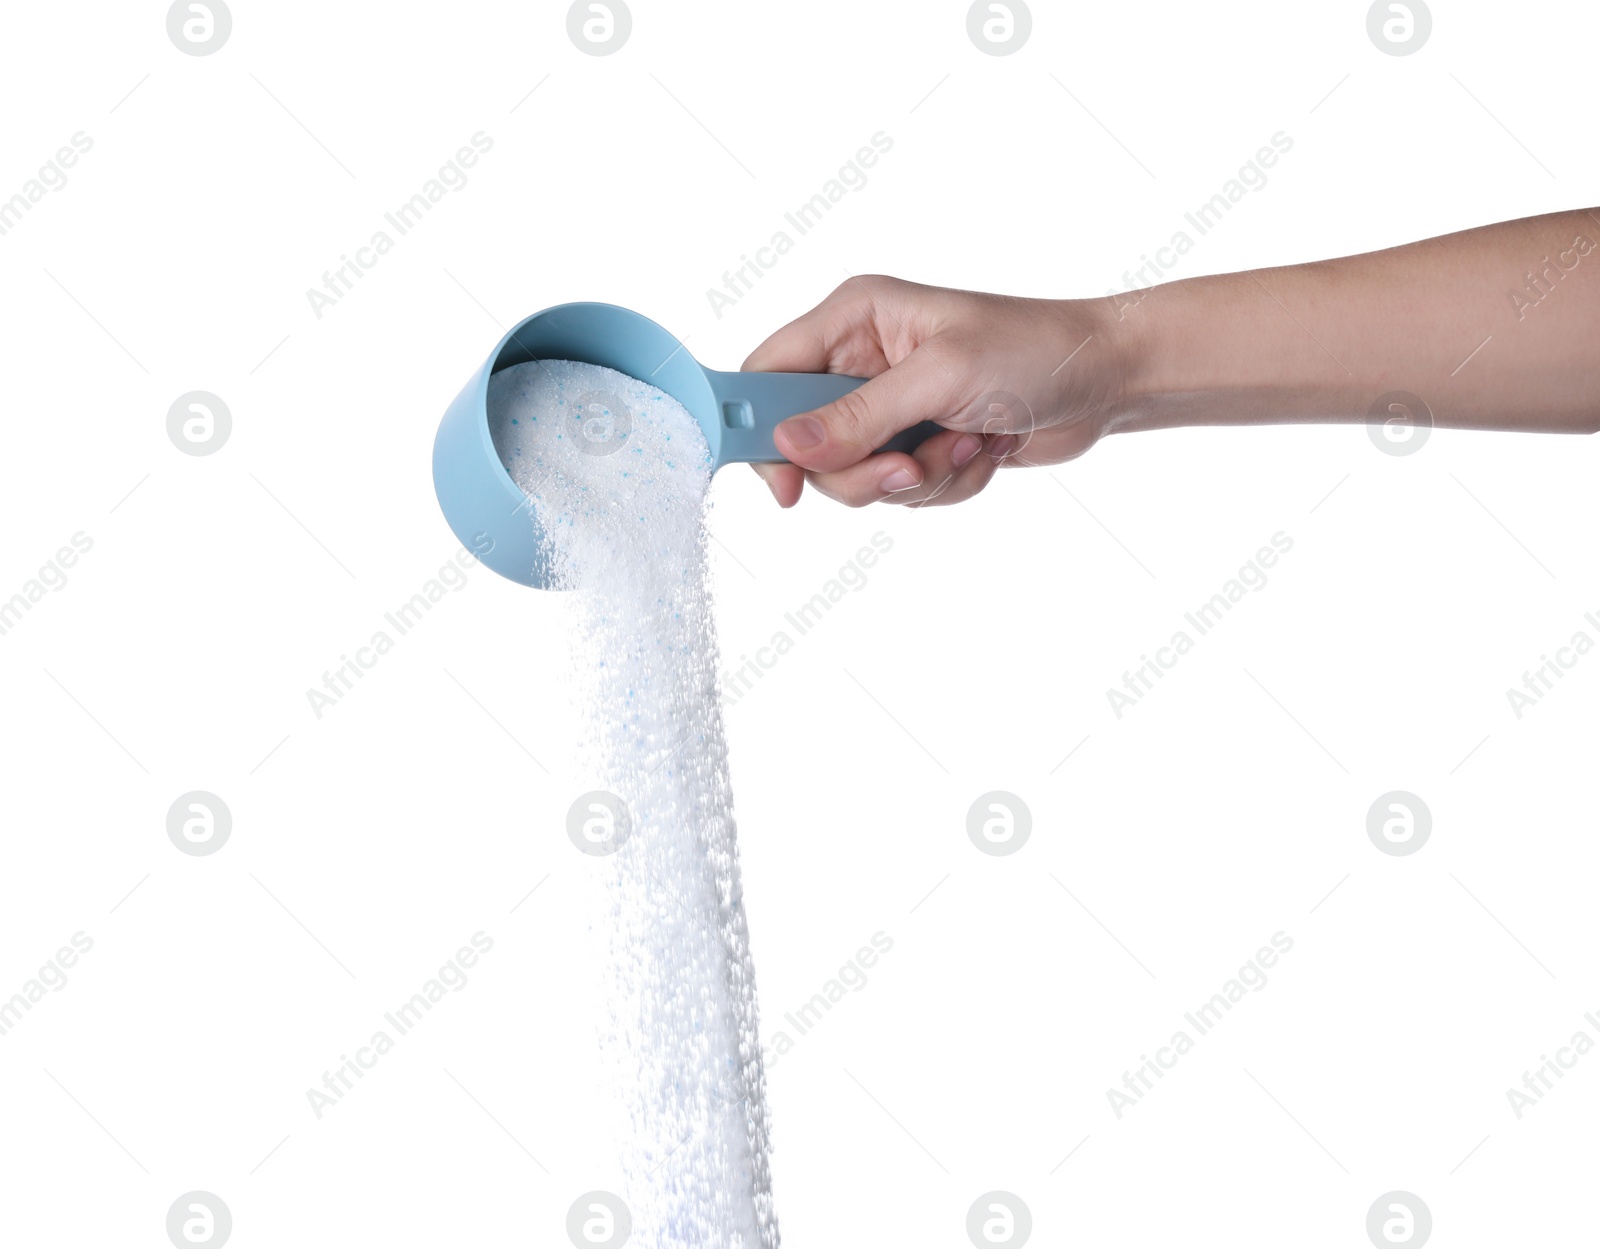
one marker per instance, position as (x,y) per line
(738,411)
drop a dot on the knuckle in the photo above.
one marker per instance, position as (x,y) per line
(848,292)
(868,285)
(851,418)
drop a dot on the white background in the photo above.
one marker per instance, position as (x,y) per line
(369,844)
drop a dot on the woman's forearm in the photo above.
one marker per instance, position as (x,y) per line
(1493,328)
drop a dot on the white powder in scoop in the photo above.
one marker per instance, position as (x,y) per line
(618,473)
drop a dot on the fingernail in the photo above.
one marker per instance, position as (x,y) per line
(900,479)
(966,447)
(1002,446)
(803,432)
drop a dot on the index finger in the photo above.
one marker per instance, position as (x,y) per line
(837,336)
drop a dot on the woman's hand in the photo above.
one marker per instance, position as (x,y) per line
(1013,381)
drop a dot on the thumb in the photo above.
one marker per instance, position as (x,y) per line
(856,424)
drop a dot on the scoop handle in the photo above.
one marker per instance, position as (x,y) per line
(750,406)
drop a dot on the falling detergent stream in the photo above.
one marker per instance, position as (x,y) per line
(618,473)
